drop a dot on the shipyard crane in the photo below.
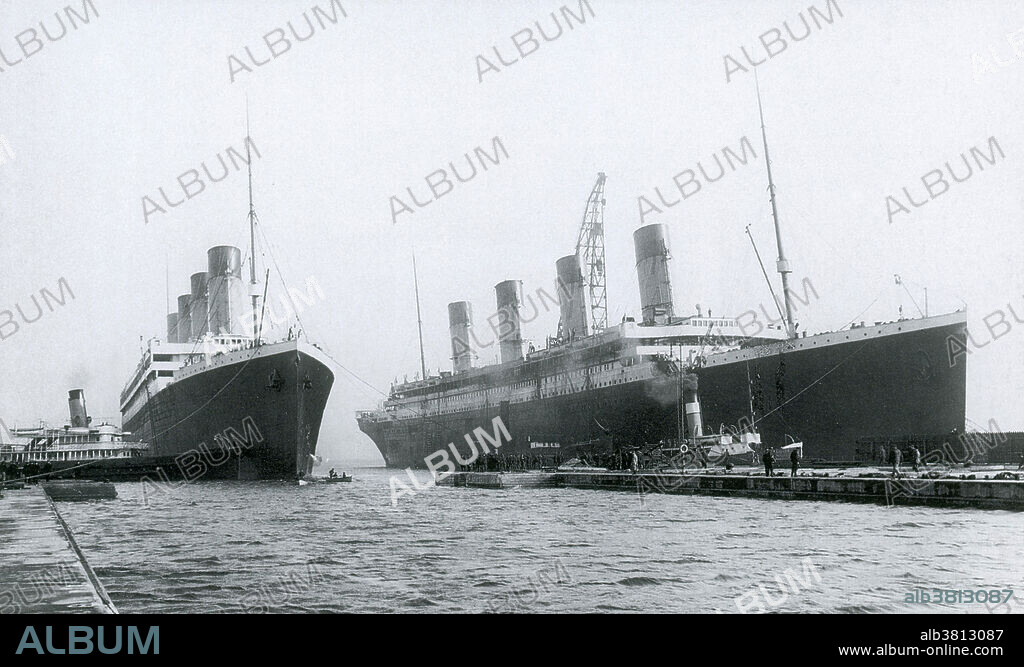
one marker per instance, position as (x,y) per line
(590,250)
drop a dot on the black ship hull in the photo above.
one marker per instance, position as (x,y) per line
(250,414)
(890,382)
(841,399)
(595,420)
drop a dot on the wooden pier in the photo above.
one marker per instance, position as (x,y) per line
(939,492)
(42,570)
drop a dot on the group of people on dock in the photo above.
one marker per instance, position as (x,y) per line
(633,459)
(10,470)
(768,458)
(895,456)
(501,462)
(620,459)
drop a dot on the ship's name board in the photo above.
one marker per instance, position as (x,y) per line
(544,445)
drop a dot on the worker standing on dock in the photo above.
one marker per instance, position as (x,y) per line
(915,456)
(769,461)
(794,461)
(895,456)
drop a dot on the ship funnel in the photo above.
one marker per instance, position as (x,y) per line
(76,405)
(693,418)
(652,255)
(200,316)
(510,297)
(226,293)
(572,302)
(172,328)
(184,318)
(460,320)
(224,260)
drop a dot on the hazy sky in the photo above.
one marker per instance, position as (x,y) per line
(371,105)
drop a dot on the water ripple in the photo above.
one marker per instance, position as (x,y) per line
(229,547)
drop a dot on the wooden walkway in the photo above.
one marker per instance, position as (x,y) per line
(941,492)
(42,570)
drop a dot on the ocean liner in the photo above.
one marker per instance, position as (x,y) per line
(216,400)
(598,388)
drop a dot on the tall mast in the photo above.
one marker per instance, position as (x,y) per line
(252,235)
(782,265)
(419,319)
(771,288)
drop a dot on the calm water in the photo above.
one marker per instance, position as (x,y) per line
(232,546)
